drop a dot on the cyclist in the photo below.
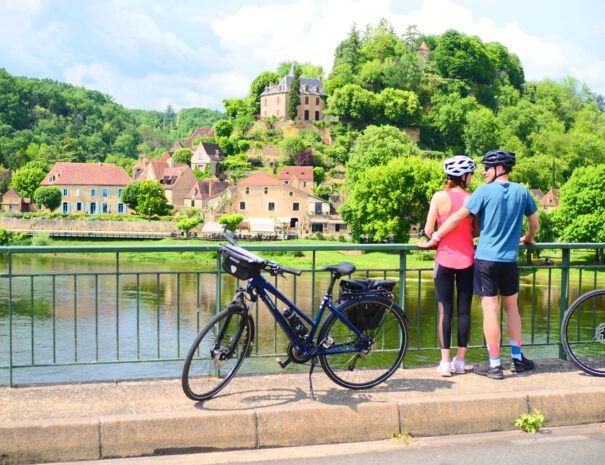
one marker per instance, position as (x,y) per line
(453,261)
(501,205)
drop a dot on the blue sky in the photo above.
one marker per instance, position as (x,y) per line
(193,53)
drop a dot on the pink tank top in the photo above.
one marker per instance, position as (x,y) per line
(456,249)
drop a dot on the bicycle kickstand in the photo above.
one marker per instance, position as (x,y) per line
(313,363)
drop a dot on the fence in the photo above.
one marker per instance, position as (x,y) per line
(63,318)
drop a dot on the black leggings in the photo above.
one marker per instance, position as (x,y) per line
(444,278)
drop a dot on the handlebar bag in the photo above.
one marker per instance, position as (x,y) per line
(238,264)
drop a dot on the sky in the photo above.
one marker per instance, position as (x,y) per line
(148,54)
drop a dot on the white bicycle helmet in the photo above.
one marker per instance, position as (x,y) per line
(458,165)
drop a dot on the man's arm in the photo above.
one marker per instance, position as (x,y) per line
(453,221)
(429,227)
(533,226)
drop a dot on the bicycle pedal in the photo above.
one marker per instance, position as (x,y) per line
(282,364)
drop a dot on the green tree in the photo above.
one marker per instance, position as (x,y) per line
(130,194)
(257,87)
(348,51)
(294,96)
(27,181)
(182,156)
(461,57)
(231,221)
(400,107)
(292,144)
(125,144)
(579,217)
(187,224)
(319,174)
(481,132)
(448,116)
(388,199)
(152,199)
(353,104)
(235,107)
(376,146)
(223,128)
(49,196)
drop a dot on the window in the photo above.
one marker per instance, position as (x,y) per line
(65,192)
(105,208)
(306,100)
(242,205)
(291,193)
(93,192)
(51,179)
(295,206)
(278,99)
(306,115)
(78,206)
(119,192)
(265,101)
(78,192)
(304,183)
(318,207)
(316,116)
(120,208)
(266,190)
(247,190)
(65,207)
(92,208)
(316,100)
(104,192)
(271,206)
(317,227)
(278,112)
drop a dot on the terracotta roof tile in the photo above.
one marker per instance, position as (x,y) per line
(259,178)
(100,174)
(304,173)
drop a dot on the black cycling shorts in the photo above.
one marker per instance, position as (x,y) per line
(493,277)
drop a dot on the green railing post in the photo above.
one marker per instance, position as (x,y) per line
(10,319)
(565,261)
(218,282)
(402,276)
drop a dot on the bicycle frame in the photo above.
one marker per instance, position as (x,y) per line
(307,347)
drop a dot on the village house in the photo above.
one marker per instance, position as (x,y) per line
(199,132)
(424,53)
(274,99)
(201,191)
(210,155)
(550,201)
(300,177)
(13,202)
(89,187)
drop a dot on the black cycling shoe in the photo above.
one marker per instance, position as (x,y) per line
(519,366)
(491,372)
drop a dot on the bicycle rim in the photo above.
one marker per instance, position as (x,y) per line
(216,355)
(583,332)
(367,367)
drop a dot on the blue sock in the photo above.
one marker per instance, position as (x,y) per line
(515,349)
(494,355)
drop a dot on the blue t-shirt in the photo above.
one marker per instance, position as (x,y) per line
(501,206)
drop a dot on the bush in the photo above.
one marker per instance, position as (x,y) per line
(41,239)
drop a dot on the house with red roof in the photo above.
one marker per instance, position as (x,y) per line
(300,177)
(13,202)
(208,155)
(89,187)
(199,132)
(201,191)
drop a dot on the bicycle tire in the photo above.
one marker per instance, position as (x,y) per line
(583,332)
(365,368)
(204,372)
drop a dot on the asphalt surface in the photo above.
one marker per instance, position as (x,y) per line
(142,418)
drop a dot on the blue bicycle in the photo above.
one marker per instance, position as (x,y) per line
(360,344)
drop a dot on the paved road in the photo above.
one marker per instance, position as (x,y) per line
(568,445)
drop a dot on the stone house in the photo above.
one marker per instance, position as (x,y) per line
(424,52)
(300,177)
(13,202)
(550,201)
(274,99)
(201,191)
(89,187)
(199,132)
(207,154)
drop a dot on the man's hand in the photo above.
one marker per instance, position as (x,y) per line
(427,245)
(527,240)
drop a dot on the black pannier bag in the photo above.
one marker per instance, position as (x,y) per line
(240,264)
(365,316)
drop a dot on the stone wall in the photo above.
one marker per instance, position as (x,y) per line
(59,225)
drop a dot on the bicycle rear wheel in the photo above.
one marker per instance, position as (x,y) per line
(363,368)
(583,332)
(216,354)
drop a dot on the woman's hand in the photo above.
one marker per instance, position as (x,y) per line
(427,245)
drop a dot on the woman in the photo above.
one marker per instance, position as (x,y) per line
(453,261)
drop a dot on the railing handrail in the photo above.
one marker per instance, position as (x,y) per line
(388,247)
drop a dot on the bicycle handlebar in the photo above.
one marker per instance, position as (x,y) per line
(285,269)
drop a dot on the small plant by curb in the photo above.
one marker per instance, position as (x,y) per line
(404,438)
(530,422)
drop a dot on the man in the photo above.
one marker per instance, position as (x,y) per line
(500,206)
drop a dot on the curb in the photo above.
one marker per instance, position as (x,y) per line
(198,431)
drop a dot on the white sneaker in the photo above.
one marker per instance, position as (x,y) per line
(458,367)
(444,369)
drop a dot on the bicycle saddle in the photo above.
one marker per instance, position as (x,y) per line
(341,269)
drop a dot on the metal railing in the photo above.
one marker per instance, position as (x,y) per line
(114,313)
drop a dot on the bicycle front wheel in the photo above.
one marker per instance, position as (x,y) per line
(583,332)
(216,354)
(353,366)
